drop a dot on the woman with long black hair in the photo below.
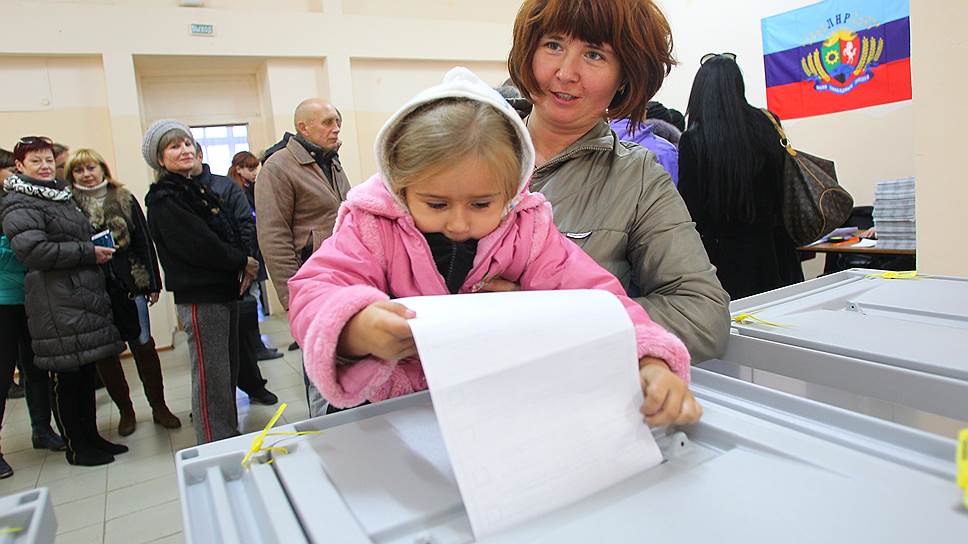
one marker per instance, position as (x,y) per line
(730,176)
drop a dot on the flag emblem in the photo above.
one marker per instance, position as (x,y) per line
(846,61)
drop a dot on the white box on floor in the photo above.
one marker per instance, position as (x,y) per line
(761,466)
(27,517)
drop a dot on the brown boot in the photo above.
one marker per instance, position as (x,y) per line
(113,377)
(149,369)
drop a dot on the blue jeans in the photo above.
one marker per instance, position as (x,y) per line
(142,303)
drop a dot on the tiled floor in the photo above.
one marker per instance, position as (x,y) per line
(135,499)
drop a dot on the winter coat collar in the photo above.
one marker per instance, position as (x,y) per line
(47,190)
(598,138)
(307,152)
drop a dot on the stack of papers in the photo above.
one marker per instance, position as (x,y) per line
(894,214)
(537,396)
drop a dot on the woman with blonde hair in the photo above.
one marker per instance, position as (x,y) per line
(133,282)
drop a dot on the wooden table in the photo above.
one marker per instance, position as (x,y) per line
(833,248)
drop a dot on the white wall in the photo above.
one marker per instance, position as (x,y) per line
(382,86)
(939,48)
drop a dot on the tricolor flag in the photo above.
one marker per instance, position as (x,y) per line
(837,55)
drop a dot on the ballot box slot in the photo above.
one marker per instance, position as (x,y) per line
(233,503)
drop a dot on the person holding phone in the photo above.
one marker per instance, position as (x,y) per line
(68,310)
(134,283)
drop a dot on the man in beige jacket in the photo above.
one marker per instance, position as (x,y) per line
(297,194)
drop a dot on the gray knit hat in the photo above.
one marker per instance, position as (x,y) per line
(149,147)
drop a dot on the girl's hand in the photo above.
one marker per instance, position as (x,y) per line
(103,254)
(667,397)
(380,330)
(153,298)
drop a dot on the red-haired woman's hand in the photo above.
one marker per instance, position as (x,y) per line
(498,285)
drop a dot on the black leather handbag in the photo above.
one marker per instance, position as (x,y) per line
(814,204)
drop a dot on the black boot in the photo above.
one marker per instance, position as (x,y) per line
(15,392)
(6,470)
(250,375)
(36,384)
(47,439)
(70,398)
(88,408)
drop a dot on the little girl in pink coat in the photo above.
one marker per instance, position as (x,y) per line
(448,212)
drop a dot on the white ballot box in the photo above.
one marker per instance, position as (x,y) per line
(27,518)
(892,348)
(762,466)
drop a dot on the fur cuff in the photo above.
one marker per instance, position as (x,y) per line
(654,341)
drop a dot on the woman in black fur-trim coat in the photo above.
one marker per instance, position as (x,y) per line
(134,283)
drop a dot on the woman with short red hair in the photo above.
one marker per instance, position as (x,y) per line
(244,168)
(583,62)
(68,310)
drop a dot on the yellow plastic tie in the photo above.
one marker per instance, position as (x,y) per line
(258,443)
(11,530)
(962,462)
(905,275)
(749,318)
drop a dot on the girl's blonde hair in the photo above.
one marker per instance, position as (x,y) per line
(440,133)
(87,156)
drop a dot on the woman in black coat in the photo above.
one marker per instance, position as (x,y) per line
(207,268)
(730,176)
(68,310)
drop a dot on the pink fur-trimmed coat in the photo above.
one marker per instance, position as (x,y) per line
(376,249)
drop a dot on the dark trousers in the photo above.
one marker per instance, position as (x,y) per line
(251,381)
(14,347)
(75,408)
(213,347)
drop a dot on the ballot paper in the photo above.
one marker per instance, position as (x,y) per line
(537,396)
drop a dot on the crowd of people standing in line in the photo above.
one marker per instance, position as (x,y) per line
(682,216)
(69,305)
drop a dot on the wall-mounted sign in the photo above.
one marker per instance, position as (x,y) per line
(202,29)
(837,55)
